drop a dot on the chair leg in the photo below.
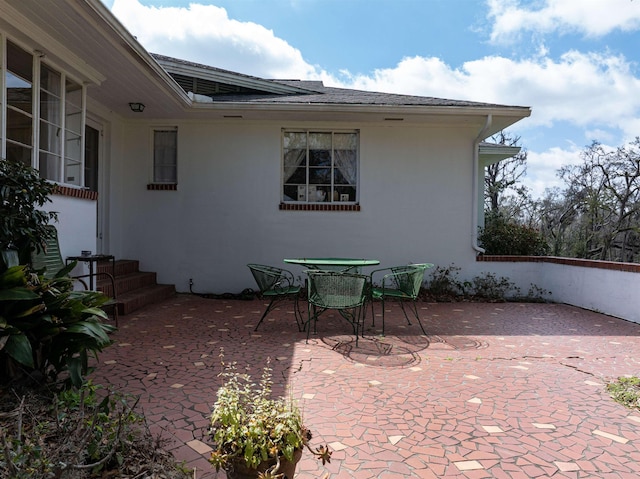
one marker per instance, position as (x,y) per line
(266,311)
(415,313)
(308,323)
(383,316)
(364,314)
(373,315)
(404,311)
(297,313)
(360,318)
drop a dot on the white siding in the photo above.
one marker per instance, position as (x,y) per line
(76,225)
(415,196)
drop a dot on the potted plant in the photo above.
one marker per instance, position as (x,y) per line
(253,434)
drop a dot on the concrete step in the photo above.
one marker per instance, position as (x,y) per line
(138,298)
(135,289)
(122,267)
(126,283)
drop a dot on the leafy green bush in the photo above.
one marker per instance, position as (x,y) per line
(22,223)
(46,327)
(503,237)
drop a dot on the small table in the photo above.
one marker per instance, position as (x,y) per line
(334,264)
(95,258)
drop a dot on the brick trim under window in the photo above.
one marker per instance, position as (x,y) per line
(75,193)
(318,207)
(162,186)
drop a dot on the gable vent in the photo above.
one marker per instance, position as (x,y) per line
(200,86)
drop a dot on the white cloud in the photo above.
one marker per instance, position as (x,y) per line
(205,34)
(542,168)
(591,18)
(584,89)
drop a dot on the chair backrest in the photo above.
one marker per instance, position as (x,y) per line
(409,278)
(50,257)
(269,278)
(336,290)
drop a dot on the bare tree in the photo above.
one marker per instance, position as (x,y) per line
(502,179)
(599,216)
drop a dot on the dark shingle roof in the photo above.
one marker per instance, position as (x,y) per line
(331,95)
(232,87)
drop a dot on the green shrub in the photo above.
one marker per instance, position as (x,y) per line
(46,327)
(503,237)
(22,223)
(492,288)
(443,284)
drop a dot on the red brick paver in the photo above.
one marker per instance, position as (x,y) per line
(504,391)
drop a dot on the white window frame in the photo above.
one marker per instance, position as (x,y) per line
(329,193)
(155,178)
(35,116)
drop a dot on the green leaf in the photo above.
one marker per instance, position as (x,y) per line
(17,294)
(74,366)
(14,276)
(30,311)
(95,330)
(19,348)
(96,312)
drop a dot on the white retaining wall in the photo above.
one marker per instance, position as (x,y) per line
(609,288)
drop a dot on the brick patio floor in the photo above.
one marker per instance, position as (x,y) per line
(507,391)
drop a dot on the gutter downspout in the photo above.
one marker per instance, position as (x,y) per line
(476,167)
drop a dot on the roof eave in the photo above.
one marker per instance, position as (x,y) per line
(137,51)
(519,112)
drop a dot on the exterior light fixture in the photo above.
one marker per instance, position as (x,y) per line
(137,107)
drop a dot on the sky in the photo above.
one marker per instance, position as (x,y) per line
(576,63)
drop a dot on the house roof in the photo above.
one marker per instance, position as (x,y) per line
(299,91)
(212,88)
(87,41)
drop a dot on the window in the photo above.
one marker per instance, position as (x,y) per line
(44,117)
(73,130)
(91,157)
(50,144)
(165,156)
(19,85)
(320,167)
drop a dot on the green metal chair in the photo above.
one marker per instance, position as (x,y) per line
(276,284)
(345,292)
(50,262)
(399,283)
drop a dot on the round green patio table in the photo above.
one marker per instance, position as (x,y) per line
(333,264)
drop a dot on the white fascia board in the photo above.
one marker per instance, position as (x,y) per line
(398,112)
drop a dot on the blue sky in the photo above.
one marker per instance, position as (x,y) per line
(576,63)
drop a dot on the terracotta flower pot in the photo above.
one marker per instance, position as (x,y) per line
(239,470)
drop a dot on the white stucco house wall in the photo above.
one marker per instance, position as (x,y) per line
(222,169)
